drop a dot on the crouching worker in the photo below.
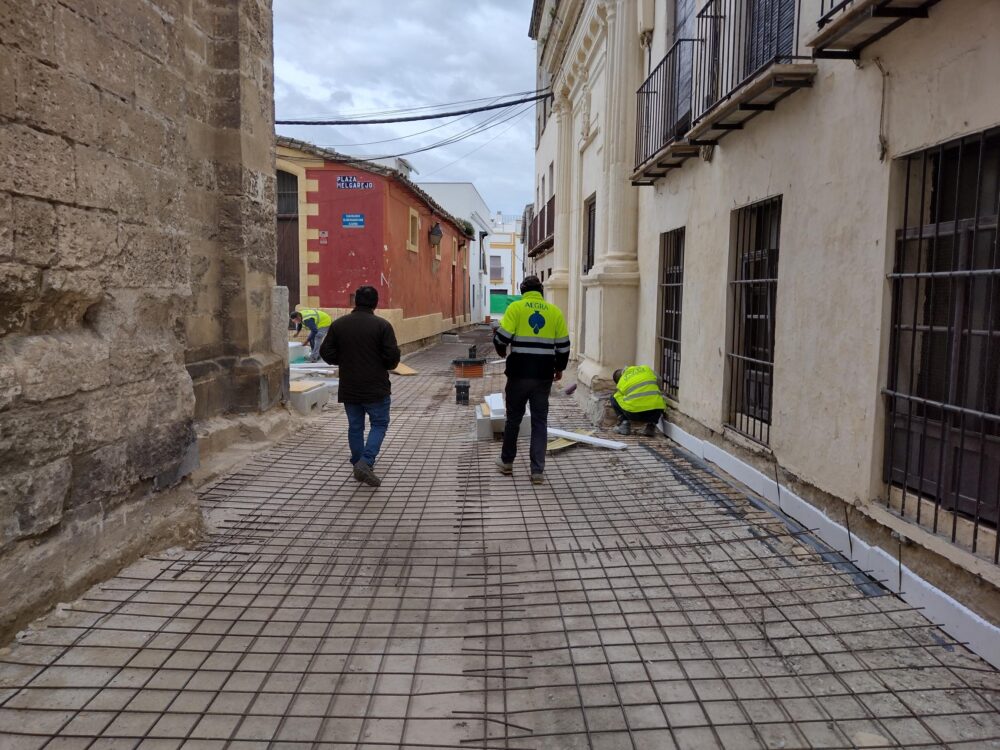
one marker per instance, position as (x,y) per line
(318,323)
(637,398)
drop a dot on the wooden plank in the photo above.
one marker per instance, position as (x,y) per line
(301,386)
(486,409)
(559,444)
(402,369)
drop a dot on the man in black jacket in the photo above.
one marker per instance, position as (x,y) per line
(363,345)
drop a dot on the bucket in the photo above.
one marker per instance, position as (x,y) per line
(462,392)
(472,352)
(468,368)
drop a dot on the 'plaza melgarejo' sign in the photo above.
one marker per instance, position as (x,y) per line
(351,182)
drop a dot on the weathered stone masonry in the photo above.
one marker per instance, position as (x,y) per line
(136,272)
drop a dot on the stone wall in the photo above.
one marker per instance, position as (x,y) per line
(136,271)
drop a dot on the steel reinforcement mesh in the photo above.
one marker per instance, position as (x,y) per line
(634,600)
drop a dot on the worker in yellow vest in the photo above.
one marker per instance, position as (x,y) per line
(534,340)
(637,398)
(318,323)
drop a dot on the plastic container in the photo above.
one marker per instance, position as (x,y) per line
(462,392)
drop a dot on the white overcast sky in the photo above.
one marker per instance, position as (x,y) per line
(340,57)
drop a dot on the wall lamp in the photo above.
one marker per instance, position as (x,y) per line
(435,235)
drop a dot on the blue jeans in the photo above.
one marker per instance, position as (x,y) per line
(378,415)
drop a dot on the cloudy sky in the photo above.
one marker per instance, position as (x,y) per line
(340,57)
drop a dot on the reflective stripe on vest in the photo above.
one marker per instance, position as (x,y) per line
(638,390)
(533,327)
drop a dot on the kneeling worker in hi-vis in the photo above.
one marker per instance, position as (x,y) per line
(637,398)
(538,341)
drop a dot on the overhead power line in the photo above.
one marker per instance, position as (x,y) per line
(400,111)
(415,118)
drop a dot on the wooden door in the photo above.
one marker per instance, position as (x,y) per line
(287,271)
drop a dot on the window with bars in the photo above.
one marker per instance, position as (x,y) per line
(589,232)
(288,194)
(943,392)
(496,269)
(755,232)
(671,298)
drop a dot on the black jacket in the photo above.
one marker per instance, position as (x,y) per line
(364,346)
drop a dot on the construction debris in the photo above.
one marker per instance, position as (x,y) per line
(402,369)
(562,443)
(588,439)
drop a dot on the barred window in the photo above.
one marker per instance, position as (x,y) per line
(754,286)
(288,194)
(671,298)
(943,393)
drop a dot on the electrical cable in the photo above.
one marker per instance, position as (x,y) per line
(487,124)
(407,110)
(416,118)
(486,143)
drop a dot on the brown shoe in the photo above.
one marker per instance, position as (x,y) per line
(537,478)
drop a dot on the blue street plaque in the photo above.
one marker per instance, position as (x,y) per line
(353,221)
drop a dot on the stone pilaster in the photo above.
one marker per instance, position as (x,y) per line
(557,286)
(611,286)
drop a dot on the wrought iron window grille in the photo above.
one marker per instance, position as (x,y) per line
(942,451)
(753,289)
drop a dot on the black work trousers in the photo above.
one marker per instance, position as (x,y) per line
(644,417)
(520,392)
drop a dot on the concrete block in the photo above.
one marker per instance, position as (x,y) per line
(310,400)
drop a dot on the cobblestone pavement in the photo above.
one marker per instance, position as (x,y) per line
(635,600)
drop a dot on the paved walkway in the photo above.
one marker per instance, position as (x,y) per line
(633,601)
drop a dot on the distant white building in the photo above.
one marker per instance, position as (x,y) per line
(462,200)
(505,248)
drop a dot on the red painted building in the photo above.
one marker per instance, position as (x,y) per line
(343,223)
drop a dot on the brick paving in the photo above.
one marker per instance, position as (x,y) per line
(635,600)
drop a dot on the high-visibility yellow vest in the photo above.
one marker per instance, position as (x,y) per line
(536,333)
(638,390)
(322,319)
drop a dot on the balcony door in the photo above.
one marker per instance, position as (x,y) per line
(685,22)
(770,33)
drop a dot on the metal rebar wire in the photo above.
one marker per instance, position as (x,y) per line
(633,601)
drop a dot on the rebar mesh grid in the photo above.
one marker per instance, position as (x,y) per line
(635,600)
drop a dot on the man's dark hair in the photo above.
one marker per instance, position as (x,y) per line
(531,284)
(295,314)
(617,375)
(366,296)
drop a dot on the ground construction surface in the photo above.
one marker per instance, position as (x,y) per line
(635,600)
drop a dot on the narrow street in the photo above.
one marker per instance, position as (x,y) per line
(635,600)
